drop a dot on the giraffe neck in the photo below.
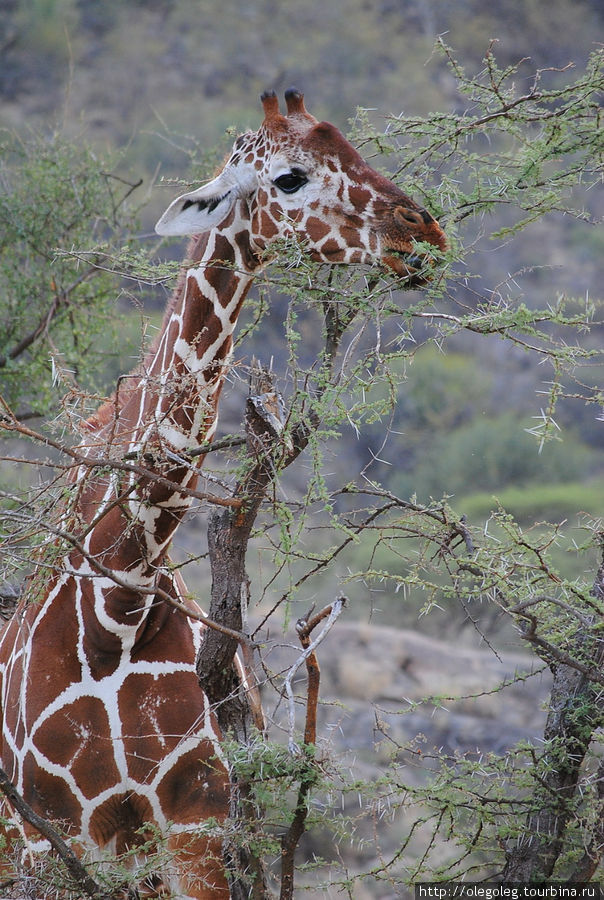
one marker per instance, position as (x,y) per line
(178,393)
(170,406)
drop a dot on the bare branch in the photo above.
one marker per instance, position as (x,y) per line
(304,629)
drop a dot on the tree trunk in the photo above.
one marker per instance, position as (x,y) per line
(575,712)
(228,536)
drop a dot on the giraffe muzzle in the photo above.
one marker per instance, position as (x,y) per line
(414,268)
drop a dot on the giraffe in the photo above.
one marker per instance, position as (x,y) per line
(105,727)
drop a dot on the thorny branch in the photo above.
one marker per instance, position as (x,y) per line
(575,714)
(9,423)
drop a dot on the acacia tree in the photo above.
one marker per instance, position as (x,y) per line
(534,812)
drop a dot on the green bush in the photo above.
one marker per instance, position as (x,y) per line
(62,213)
(490,454)
(547,502)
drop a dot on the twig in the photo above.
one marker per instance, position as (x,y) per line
(9,423)
(226,443)
(291,838)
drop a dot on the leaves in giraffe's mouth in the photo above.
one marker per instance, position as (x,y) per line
(410,266)
(414,260)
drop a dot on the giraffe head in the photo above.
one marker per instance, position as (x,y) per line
(299,177)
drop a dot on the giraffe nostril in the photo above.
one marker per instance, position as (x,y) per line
(406,216)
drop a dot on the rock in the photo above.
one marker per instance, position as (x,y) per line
(410,683)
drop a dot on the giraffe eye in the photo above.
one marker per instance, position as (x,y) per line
(291,181)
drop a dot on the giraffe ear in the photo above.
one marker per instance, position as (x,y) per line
(199,210)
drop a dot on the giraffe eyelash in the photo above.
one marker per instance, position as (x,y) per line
(290,182)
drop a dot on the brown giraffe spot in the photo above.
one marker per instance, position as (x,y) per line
(275,212)
(250,260)
(49,795)
(44,684)
(123,605)
(165,523)
(103,660)
(317,228)
(85,746)
(197,309)
(211,328)
(349,236)
(157,618)
(267,225)
(107,543)
(359,196)
(172,332)
(224,349)
(331,247)
(167,707)
(211,373)
(173,624)
(196,787)
(221,276)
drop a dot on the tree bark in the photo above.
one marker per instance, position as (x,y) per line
(575,712)
(228,536)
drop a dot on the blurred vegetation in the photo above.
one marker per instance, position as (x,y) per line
(58,317)
(456,433)
(196,65)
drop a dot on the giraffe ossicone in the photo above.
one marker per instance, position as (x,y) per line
(104,724)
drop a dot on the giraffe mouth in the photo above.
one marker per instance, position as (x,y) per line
(411,266)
